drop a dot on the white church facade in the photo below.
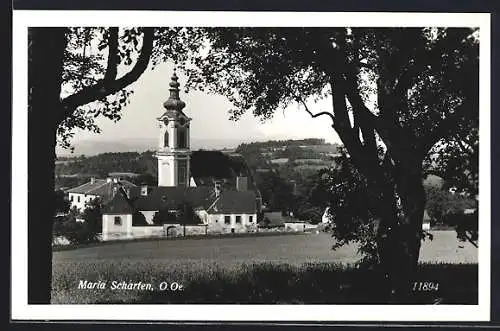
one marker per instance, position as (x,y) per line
(147,211)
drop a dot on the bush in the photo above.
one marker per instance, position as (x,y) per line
(79,232)
(80,228)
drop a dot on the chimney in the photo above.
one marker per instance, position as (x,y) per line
(217,187)
(144,190)
(241,183)
(108,180)
(115,180)
(92,180)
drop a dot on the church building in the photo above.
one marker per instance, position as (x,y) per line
(195,194)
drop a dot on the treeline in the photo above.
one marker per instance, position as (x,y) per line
(103,164)
(280,143)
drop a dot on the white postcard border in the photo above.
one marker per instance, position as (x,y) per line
(20,310)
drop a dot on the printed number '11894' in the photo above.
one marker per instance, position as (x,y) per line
(425,286)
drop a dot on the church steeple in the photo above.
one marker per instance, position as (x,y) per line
(173,145)
(174,103)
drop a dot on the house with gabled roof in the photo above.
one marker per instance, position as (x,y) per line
(222,199)
(104,189)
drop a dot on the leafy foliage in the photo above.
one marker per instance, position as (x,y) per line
(441,203)
(81,227)
(92,80)
(61,203)
(396,93)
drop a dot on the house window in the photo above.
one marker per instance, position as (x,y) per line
(250,219)
(78,198)
(71,197)
(181,138)
(118,220)
(227,219)
(238,219)
(182,172)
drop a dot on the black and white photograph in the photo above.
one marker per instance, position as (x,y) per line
(289,169)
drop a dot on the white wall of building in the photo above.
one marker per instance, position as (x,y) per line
(166,170)
(148,231)
(148,215)
(79,200)
(112,230)
(216,223)
(295,226)
(212,223)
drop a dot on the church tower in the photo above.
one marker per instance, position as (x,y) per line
(173,146)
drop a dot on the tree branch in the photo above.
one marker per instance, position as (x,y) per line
(104,87)
(469,238)
(299,99)
(111,68)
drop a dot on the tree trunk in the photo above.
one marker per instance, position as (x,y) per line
(404,241)
(45,68)
(412,194)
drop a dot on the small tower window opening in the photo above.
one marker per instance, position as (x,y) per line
(181,138)
(118,220)
(165,139)
(182,172)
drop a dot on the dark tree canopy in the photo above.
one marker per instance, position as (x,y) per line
(396,93)
(69,85)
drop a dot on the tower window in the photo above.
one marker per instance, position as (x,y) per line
(165,139)
(181,138)
(118,220)
(182,172)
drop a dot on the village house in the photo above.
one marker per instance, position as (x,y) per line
(104,189)
(218,205)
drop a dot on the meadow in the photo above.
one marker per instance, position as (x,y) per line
(272,269)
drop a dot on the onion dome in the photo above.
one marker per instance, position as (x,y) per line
(174,102)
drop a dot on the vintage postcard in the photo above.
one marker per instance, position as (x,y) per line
(251,166)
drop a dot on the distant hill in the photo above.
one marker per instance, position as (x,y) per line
(143,168)
(223,159)
(95,147)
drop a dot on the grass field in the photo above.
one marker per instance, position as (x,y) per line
(226,260)
(294,249)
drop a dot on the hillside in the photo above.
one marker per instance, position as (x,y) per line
(143,168)
(278,169)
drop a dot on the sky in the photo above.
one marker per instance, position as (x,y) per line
(209,113)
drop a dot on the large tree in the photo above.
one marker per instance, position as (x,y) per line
(395,93)
(75,76)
